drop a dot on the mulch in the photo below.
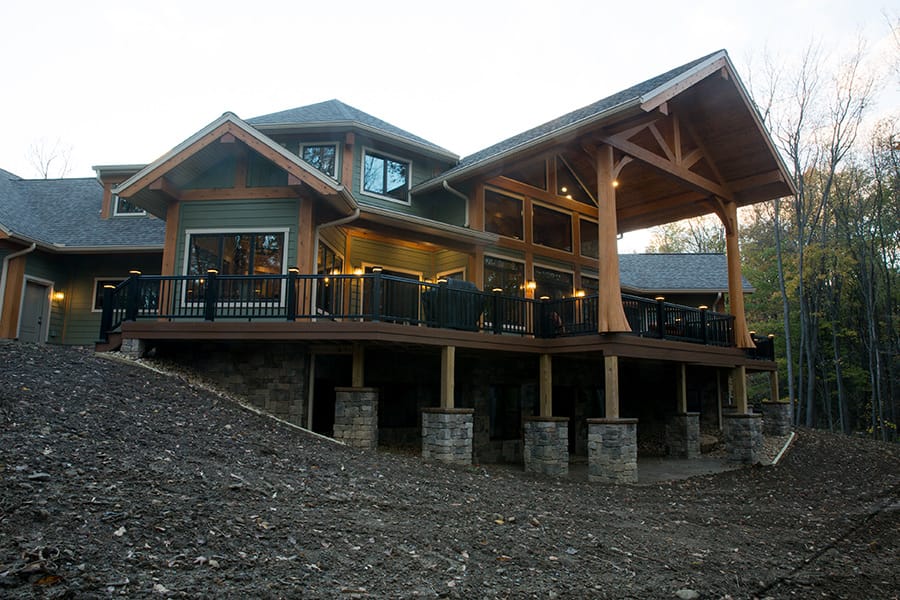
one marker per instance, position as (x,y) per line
(120,481)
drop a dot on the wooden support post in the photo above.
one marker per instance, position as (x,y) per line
(546,379)
(448,369)
(359,365)
(611,380)
(681,391)
(742,336)
(719,397)
(739,377)
(611,313)
(774,395)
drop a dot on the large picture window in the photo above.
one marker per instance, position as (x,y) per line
(324,157)
(385,176)
(505,274)
(552,228)
(503,215)
(590,238)
(236,253)
(552,283)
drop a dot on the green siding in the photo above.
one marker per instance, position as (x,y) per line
(336,238)
(390,256)
(448,260)
(82,325)
(49,268)
(219,175)
(232,215)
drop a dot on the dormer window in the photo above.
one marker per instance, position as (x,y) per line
(124,208)
(324,157)
(385,176)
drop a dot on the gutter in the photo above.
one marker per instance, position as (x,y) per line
(6,260)
(458,194)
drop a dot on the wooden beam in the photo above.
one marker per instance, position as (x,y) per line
(171,240)
(545,368)
(306,254)
(739,380)
(448,369)
(688,177)
(165,186)
(241,193)
(611,315)
(611,386)
(681,390)
(358,377)
(12,299)
(742,338)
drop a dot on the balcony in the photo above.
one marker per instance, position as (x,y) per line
(379,298)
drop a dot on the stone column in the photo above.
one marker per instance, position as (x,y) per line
(356,416)
(777,418)
(612,450)
(133,347)
(547,445)
(447,435)
(683,435)
(743,437)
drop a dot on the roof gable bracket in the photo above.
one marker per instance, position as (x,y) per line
(166,187)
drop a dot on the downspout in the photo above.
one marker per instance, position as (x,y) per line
(343,220)
(458,194)
(6,260)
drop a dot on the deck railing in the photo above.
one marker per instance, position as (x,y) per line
(378,297)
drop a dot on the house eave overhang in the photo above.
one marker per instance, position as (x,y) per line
(362,127)
(426,226)
(139,182)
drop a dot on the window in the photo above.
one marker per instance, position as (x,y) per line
(570,186)
(590,285)
(503,215)
(99,284)
(552,283)
(236,253)
(533,173)
(385,176)
(507,275)
(590,238)
(552,228)
(122,207)
(328,290)
(322,156)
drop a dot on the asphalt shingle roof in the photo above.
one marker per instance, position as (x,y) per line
(674,272)
(335,111)
(584,113)
(66,212)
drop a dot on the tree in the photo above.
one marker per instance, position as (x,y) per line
(50,160)
(699,235)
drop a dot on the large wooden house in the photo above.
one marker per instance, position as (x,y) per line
(361,281)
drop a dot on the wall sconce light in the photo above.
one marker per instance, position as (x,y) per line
(335,271)
(531,285)
(579,293)
(59,296)
(357,271)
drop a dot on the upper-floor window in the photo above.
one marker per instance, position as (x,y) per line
(503,215)
(552,228)
(385,176)
(324,157)
(122,207)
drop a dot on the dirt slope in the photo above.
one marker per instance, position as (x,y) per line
(120,481)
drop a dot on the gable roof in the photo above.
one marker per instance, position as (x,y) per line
(64,215)
(334,113)
(201,147)
(681,273)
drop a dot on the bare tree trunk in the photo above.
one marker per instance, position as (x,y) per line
(786,312)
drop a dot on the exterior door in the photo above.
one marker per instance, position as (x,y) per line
(34,312)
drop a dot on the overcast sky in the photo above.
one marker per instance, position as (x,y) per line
(122,82)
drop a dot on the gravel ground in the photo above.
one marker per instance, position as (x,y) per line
(119,481)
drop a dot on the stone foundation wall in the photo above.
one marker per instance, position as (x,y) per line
(356,417)
(683,435)
(777,418)
(546,449)
(447,435)
(743,437)
(612,450)
(271,376)
(133,347)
